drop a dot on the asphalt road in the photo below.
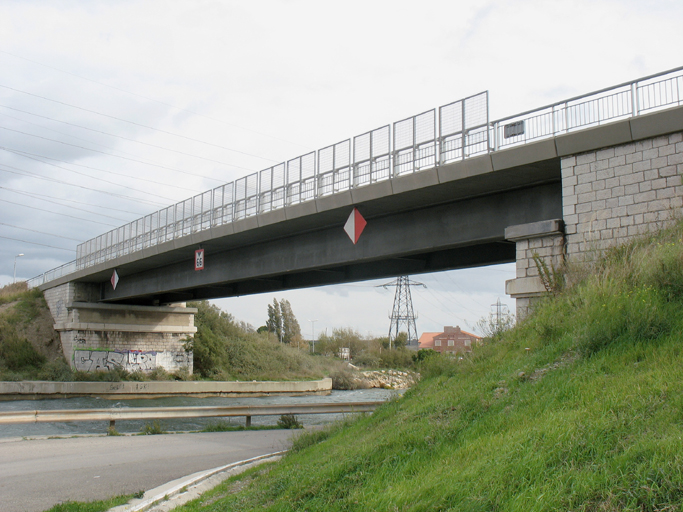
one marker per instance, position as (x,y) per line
(37,474)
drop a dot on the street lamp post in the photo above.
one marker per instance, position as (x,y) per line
(14,279)
(313,332)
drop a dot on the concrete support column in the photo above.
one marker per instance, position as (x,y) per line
(541,240)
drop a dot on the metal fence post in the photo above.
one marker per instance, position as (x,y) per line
(634,99)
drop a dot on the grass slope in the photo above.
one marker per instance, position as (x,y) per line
(580,407)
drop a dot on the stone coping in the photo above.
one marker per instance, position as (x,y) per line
(36,390)
(131,307)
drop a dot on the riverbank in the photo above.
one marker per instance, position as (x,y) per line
(39,390)
(387,379)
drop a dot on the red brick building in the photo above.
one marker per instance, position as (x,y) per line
(451,341)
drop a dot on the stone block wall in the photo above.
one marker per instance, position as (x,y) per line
(549,248)
(544,240)
(97,336)
(613,194)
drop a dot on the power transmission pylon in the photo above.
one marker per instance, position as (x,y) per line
(402,312)
(501,310)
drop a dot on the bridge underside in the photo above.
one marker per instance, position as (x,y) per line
(437,235)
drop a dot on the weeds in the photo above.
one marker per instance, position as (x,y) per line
(219,426)
(289,421)
(151,429)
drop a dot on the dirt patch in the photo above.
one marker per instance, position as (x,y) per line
(41,334)
(38,330)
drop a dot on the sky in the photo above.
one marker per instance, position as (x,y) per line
(112,110)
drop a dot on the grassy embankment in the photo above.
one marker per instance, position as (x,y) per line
(580,407)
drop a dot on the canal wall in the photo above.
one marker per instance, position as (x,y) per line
(37,390)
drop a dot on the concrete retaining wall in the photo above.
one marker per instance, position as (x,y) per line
(35,390)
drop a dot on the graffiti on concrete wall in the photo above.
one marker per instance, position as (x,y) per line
(101,360)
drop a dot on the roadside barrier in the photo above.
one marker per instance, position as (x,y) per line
(155,413)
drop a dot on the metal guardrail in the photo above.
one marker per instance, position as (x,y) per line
(156,413)
(436,137)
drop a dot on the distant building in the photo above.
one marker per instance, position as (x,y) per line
(451,341)
(427,340)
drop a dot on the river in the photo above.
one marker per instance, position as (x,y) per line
(64,429)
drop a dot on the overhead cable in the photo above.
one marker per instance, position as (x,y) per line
(156,101)
(40,232)
(57,213)
(36,243)
(110,154)
(120,137)
(38,159)
(22,172)
(139,124)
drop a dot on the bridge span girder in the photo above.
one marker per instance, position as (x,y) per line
(464,233)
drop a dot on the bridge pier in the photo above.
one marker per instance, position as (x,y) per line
(100,336)
(538,244)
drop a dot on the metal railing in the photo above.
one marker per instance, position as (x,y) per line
(156,413)
(436,137)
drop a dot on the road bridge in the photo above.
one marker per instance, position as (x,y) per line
(444,189)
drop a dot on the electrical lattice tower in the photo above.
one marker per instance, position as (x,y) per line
(402,315)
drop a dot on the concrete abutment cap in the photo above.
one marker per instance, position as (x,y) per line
(534,230)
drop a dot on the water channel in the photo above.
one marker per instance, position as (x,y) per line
(63,429)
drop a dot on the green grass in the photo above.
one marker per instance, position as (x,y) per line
(93,506)
(224,426)
(589,418)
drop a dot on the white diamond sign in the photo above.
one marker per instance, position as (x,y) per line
(355,225)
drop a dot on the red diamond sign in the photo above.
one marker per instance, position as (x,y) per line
(355,225)
(114,279)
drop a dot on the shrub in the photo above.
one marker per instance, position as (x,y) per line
(435,365)
(343,380)
(58,370)
(423,354)
(18,354)
(397,358)
(289,421)
(151,429)
(367,359)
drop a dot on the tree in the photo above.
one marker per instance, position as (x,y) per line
(274,322)
(344,337)
(282,322)
(401,340)
(290,325)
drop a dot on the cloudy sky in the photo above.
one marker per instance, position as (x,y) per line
(113,110)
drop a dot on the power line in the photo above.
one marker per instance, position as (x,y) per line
(139,124)
(36,243)
(60,204)
(57,213)
(111,154)
(154,100)
(40,232)
(22,172)
(37,158)
(113,135)
(40,196)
